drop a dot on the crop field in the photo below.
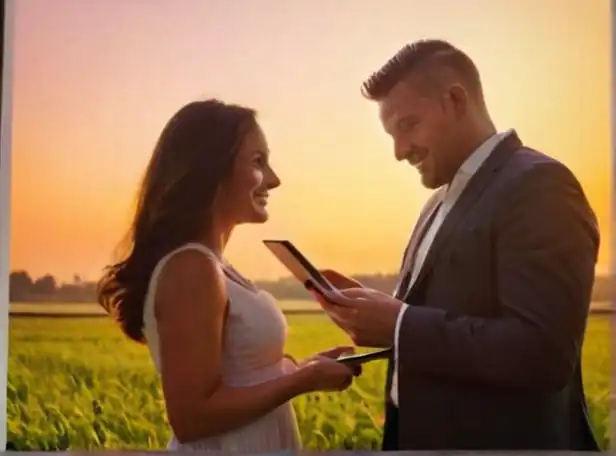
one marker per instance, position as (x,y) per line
(79,384)
(59,309)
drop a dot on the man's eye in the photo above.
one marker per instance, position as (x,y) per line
(406,125)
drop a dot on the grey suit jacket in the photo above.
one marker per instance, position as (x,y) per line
(489,349)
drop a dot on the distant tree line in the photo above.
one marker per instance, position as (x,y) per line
(24,288)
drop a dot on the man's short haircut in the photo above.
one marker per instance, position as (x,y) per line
(437,61)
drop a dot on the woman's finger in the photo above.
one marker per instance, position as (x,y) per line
(337,351)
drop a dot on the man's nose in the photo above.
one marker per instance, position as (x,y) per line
(400,152)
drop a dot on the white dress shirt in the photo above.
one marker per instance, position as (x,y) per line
(450,196)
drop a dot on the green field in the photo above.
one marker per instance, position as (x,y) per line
(78,384)
(90,308)
(68,308)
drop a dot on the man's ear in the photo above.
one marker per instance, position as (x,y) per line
(456,100)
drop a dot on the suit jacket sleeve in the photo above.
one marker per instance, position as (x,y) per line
(546,249)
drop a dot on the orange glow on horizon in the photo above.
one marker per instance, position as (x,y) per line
(96,81)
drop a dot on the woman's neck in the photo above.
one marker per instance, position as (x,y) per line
(217,239)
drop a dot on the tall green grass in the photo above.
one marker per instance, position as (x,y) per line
(79,384)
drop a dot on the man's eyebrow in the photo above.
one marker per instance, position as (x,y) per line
(394,125)
(409,118)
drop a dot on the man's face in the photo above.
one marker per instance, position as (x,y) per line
(424,130)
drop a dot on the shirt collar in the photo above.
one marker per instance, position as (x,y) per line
(481,154)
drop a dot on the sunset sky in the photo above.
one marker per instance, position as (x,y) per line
(96,80)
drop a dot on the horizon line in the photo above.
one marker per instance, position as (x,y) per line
(598,273)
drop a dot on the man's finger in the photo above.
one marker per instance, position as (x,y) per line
(362,293)
(342,312)
(317,296)
(341,320)
(338,307)
(338,298)
(325,296)
(356,293)
(330,273)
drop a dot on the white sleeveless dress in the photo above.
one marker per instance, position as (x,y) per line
(253,352)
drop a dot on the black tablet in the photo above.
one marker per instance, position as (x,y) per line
(297,264)
(362,358)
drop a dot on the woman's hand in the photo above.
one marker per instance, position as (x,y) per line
(334,353)
(322,373)
(292,359)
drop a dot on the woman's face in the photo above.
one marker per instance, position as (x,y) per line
(243,198)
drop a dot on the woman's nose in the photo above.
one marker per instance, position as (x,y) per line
(274,180)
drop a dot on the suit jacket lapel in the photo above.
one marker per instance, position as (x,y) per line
(416,236)
(473,190)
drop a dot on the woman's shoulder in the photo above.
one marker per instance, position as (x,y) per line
(189,277)
(190,257)
(191,262)
(193,249)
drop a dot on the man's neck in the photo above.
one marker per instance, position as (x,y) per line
(476,140)
(471,145)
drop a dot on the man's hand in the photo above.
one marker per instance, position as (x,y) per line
(339,280)
(367,316)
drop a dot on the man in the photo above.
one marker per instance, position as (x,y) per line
(489,315)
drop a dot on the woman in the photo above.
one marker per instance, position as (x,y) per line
(216,340)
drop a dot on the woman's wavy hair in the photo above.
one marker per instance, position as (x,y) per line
(195,153)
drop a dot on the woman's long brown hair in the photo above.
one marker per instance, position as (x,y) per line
(194,154)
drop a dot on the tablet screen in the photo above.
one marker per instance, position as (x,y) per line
(296,263)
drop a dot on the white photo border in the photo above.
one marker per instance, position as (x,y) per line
(5,202)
